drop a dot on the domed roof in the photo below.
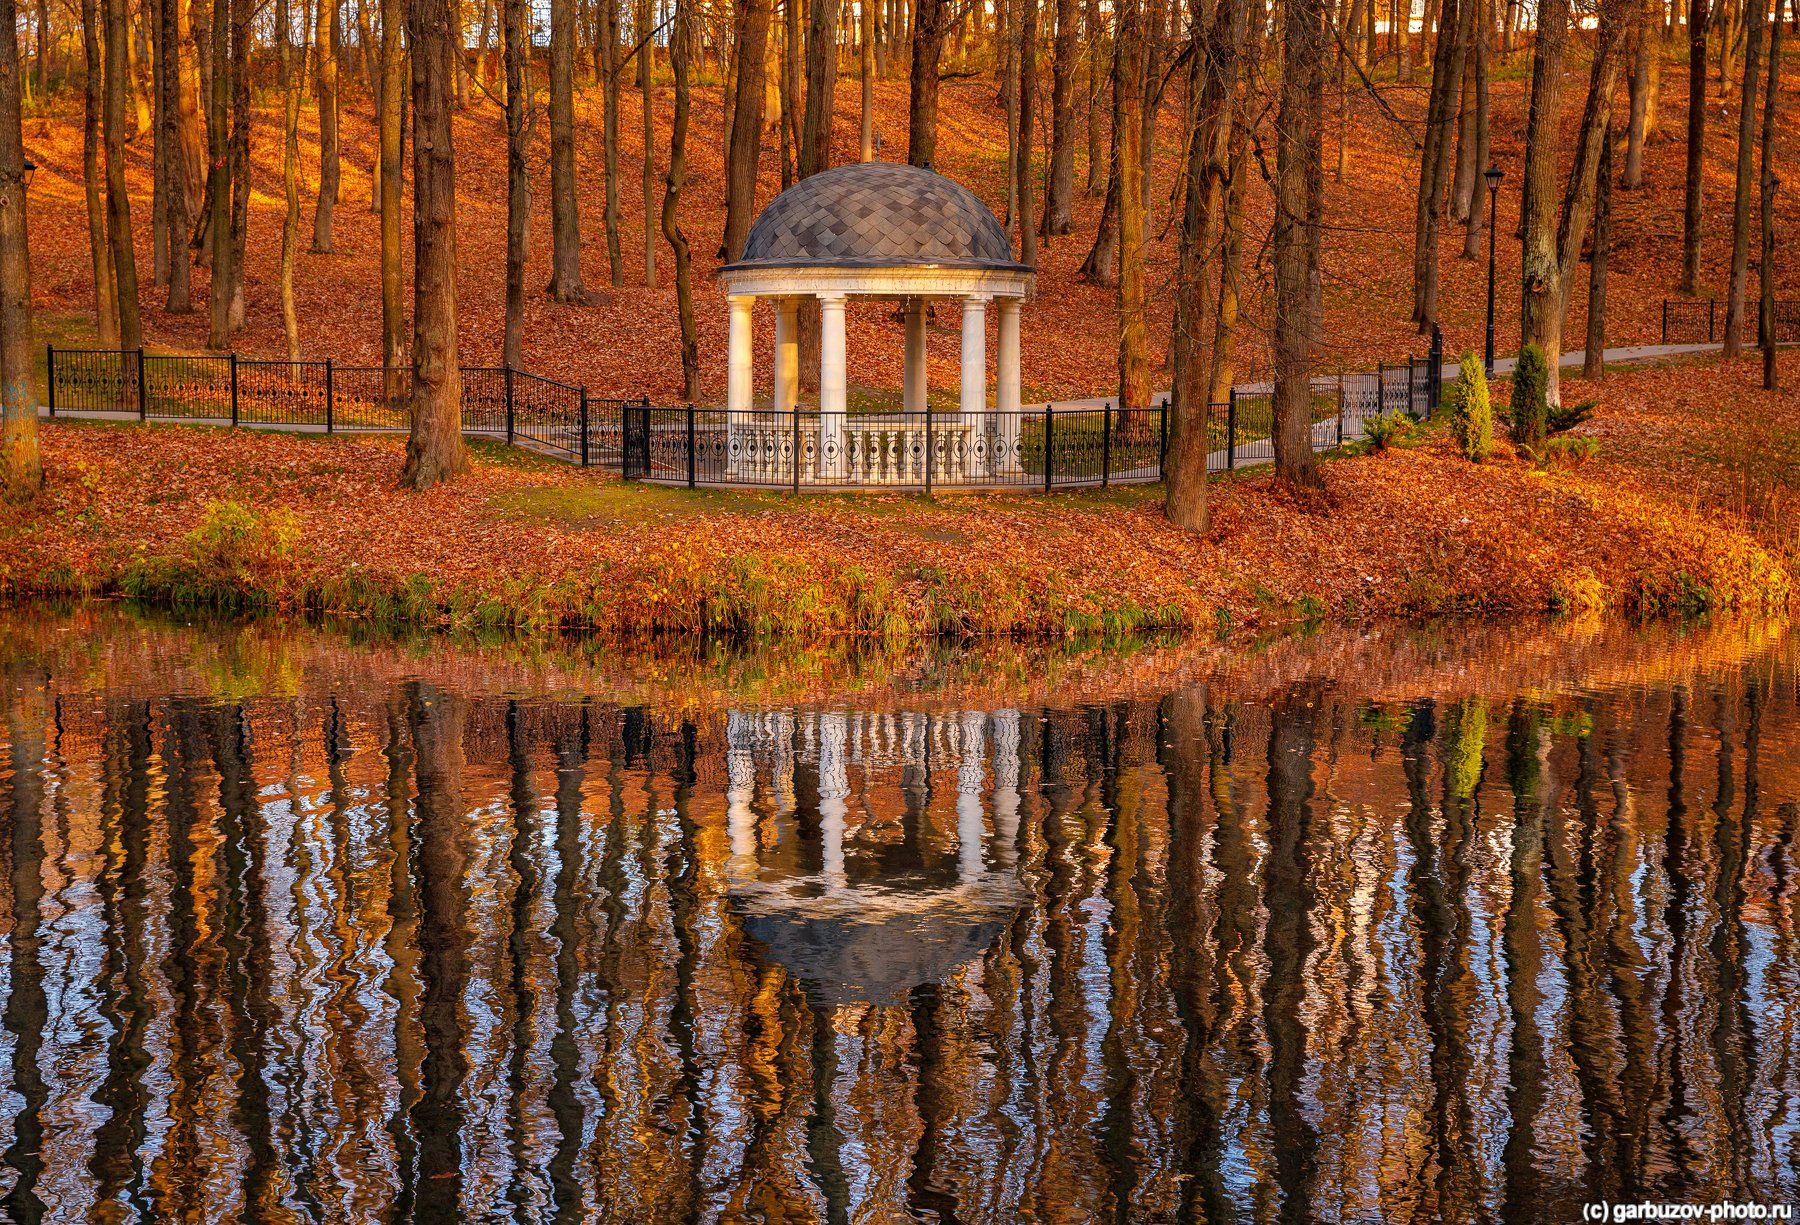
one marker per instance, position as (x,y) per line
(878,214)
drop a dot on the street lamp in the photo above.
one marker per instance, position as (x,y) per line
(1493,174)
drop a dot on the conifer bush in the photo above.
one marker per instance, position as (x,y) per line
(1530,408)
(1471,411)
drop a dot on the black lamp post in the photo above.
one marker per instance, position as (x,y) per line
(1493,174)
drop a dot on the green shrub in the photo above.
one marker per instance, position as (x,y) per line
(1471,412)
(1387,429)
(1568,452)
(1568,417)
(1530,409)
(235,557)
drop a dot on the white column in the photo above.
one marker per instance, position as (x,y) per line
(1005,455)
(917,380)
(974,358)
(738,386)
(834,386)
(787,354)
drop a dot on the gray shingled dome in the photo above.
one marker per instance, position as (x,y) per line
(877,214)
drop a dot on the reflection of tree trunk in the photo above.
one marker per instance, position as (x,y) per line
(1288,900)
(1527,759)
(565,1049)
(436,720)
(27,1008)
(401,948)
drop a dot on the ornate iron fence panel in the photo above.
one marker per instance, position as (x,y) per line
(180,388)
(370,398)
(546,414)
(484,401)
(294,394)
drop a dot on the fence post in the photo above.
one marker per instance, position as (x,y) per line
(1162,440)
(1711,311)
(1049,441)
(626,458)
(232,357)
(1340,410)
(143,400)
(690,445)
(584,426)
(50,376)
(796,447)
(1106,445)
(331,398)
(1434,380)
(507,368)
(928,454)
(1665,321)
(1231,430)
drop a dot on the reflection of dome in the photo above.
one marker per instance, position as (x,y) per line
(874,944)
(878,214)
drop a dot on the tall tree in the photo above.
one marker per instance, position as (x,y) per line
(21,464)
(393,93)
(327,36)
(290,170)
(1434,163)
(610,71)
(565,213)
(679,41)
(1212,80)
(106,293)
(821,88)
(118,202)
(1476,216)
(1746,165)
(745,149)
(866,44)
(434,450)
(175,178)
(515,36)
(1028,37)
(1645,56)
(1297,124)
(1593,363)
(1541,287)
(1059,194)
(1128,88)
(644,33)
(1766,272)
(218,178)
(239,156)
(1696,145)
(930,24)
(1097,164)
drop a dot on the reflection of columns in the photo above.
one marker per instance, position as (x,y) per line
(970,775)
(974,358)
(1006,785)
(738,385)
(787,354)
(917,382)
(834,387)
(740,786)
(834,787)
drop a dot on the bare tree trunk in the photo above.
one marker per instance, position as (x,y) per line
(1540,307)
(21,462)
(609,31)
(239,173)
(326,38)
(565,214)
(290,170)
(867,40)
(785,87)
(175,178)
(793,14)
(1059,196)
(1746,165)
(1468,169)
(1007,35)
(1446,78)
(1027,91)
(929,17)
(393,93)
(1766,273)
(1212,80)
(1101,267)
(1097,76)
(1696,146)
(218,179)
(1128,168)
(821,88)
(1594,357)
(1232,249)
(643,32)
(745,151)
(1648,46)
(187,109)
(1297,135)
(118,203)
(671,207)
(159,161)
(1477,217)
(434,450)
(140,86)
(515,36)
(106,296)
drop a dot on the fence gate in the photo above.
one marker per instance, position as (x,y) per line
(634,458)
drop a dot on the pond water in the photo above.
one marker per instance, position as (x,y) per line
(1440,924)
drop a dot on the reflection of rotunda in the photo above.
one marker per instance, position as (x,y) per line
(841,865)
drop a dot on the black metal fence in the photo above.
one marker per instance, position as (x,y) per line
(1696,321)
(499,402)
(1054,447)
